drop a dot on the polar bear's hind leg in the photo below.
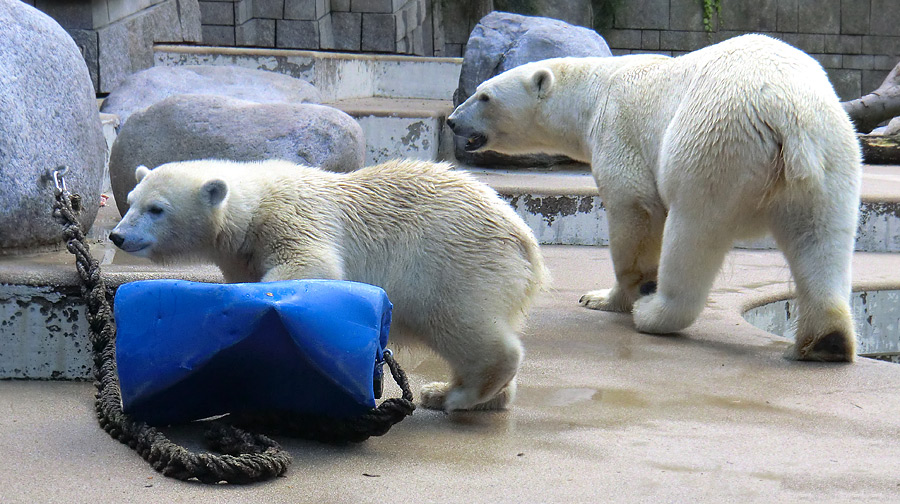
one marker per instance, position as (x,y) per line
(817,241)
(483,369)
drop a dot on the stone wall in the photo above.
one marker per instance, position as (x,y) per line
(116,37)
(385,26)
(857,41)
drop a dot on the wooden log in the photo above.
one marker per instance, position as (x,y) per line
(880,149)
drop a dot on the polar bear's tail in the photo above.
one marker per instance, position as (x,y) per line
(814,132)
(803,158)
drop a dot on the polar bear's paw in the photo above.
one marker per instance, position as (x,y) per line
(654,315)
(835,346)
(606,300)
(433,395)
(441,396)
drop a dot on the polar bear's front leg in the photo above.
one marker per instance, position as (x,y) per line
(634,241)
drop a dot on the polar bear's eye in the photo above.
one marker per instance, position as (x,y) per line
(483,97)
(155,210)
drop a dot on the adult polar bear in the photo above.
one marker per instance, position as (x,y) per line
(689,154)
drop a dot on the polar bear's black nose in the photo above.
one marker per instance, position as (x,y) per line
(451,123)
(117,239)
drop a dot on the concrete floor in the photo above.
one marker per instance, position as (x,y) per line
(603,414)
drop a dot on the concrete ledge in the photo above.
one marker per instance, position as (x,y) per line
(338,76)
(43,318)
(562,206)
(398,127)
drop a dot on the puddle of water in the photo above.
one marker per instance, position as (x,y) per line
(563,397)
(569,396)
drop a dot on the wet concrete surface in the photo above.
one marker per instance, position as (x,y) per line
(604,414)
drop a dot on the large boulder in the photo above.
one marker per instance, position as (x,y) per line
(501,41)
(185,127)
(150,86)
(48,118)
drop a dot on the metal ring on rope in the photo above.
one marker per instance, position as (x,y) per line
(244,457)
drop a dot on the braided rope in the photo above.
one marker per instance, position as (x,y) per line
(246,457)
(375,422)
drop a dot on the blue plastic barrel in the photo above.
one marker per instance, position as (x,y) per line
(188,350)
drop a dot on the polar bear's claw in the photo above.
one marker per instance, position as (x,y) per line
(605,300)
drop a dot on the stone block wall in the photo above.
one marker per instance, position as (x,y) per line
(857,41)
(116,37)
(384,26)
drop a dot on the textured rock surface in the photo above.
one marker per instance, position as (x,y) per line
(501,41)
(144,88)
(48,117)
(185,127)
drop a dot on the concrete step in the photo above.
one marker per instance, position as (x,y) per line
(401,127)
(337,76)
(562,206)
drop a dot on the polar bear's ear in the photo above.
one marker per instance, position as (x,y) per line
(214,191)
(140,172)
(542,81)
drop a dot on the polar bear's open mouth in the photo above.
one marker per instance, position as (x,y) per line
(475,142)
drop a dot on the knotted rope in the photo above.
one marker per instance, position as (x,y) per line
(245,457)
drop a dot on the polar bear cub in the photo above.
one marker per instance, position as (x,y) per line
(458,264)
(689,154)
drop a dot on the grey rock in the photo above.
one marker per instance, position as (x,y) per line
(48,117)
(893,127)
(501,41)
(147,87)
(185,127)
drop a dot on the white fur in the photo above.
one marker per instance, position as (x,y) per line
(689,154)
(460,267)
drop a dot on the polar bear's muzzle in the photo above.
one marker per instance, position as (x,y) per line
(129,244)
(474,139)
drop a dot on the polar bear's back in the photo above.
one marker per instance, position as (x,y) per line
(436,224)
(749,100)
